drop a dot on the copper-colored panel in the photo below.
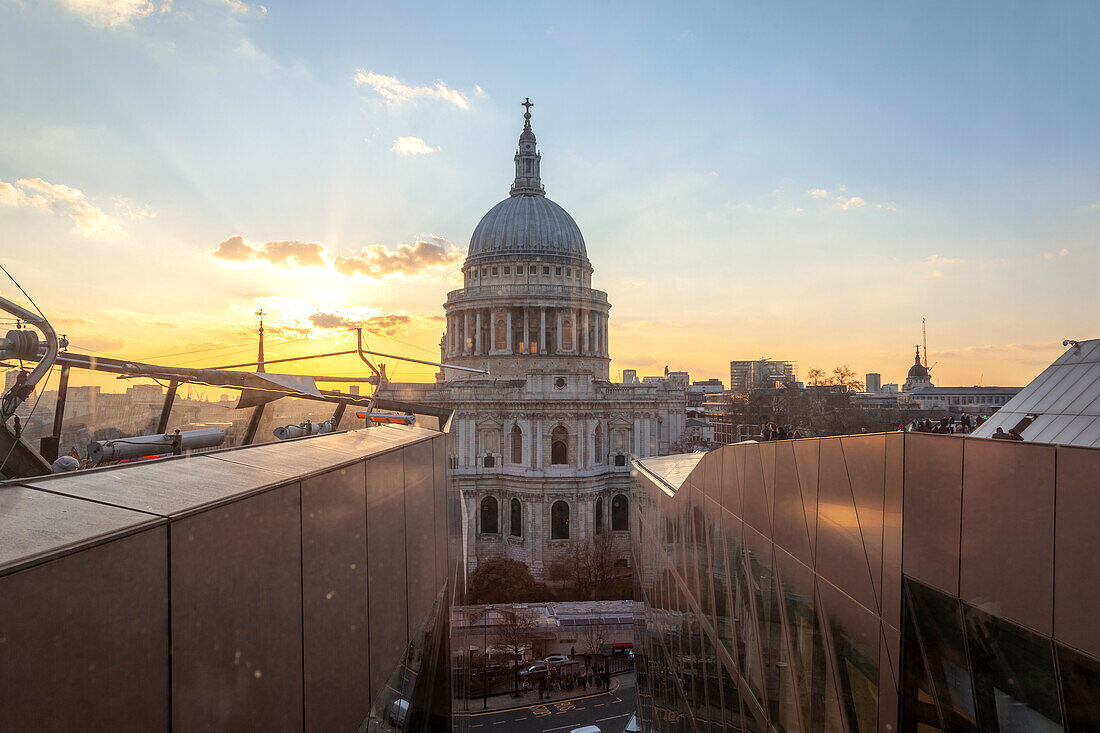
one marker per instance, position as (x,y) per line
(439,498)
(890,598)
(388,616)
(37,525)
(420,532)
(841,555)
(757,505)
(806,460)
(865,457)
(788,513)
(1008,531)
(334,600)
(733,471)
(84,639)
(932,510)
(236,574)
(1077,550)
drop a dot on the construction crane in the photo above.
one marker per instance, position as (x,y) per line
(924,338)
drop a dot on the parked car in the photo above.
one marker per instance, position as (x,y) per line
(537,669)
(556,659)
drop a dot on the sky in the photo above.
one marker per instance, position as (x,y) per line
(798,181)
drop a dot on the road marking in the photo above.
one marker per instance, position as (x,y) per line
(540,710)
(499,722)
(598,704)
(599,720)
(564,706)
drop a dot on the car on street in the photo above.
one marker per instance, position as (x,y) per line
(556,659)
(535,670)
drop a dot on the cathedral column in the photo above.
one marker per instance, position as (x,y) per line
(637,440)
(538,444)
(511,337)
(477,335)
(586,330)
(542,334)
(573,317)
(526,333)
(466,348)
(603,329)
(557,312)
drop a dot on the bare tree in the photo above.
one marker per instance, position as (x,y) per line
(815,377)
(591,639)
(591,564)
(515,636)
(845,377)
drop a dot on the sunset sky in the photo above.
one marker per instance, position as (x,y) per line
(793,181)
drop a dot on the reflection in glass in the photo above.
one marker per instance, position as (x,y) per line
(1080,688)
(1014,676)
(936,624)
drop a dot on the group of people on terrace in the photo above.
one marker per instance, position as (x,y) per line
(947,424)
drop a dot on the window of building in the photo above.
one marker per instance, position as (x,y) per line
(620,513)
(517,445)
(559,446)
(516,520)
(507,270)
(519,269)
(546,271)
(494,271)
(557,270)
(559,521)
(569,272)
(484,272)
(489,520)
(599,514)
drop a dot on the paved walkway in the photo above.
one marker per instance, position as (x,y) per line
(531,697)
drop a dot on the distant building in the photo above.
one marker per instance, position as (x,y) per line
(874,382)
(984,399)
(24,409)
(918,376)
(630,376)
(745,376)
(679,380)
(697,393)
(890,388)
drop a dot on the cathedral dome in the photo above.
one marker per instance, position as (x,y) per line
(527,224)
(918,369)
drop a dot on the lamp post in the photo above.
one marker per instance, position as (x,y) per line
(484,657)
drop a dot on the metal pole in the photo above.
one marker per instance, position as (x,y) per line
(253,424)
(51,446)
(166,410)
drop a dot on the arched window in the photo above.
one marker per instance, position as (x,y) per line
(598,444)
(489,519)
(620,513)
(516,528)
(559,446)
(517,445)
(599,514)
(559,521)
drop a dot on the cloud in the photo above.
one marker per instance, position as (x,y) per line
(238,7)
(937,260)
(114,13)
(390,324)
(394,91)
(1060,253)
(282,253)
(89,220)
(411,146)
(377,260)
(847,203)
(933,275)
(102,344)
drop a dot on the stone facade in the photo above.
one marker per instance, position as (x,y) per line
(540,447)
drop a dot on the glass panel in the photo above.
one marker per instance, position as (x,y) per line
(937,626)
(1080,678)
(1014,676)
(808,653)
(855,639)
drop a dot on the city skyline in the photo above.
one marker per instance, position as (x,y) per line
(747,185)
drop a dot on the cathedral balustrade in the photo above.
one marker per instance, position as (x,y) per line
(525,291)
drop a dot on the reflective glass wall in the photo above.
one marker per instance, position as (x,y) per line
(772,581)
